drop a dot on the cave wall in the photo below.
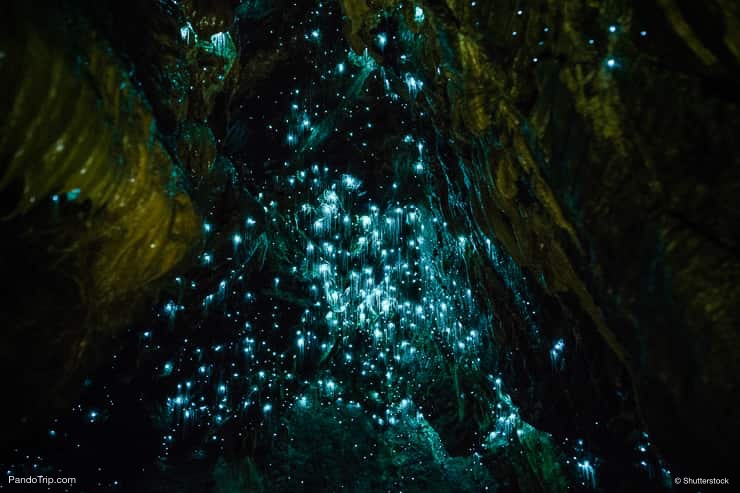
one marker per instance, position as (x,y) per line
(591,141)
(583,147)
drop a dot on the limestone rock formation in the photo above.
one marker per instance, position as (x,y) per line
(469,244)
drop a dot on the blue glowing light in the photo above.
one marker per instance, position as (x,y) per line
(360,263)
(382,40)
(223,45)
(170,308)
(588,474)
(187,33)
(556,354)
(413,84)
(73,194)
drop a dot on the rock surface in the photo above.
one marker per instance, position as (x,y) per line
(583,152)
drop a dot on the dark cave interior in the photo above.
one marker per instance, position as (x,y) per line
(369,245)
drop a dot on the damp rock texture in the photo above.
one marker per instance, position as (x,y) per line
(594,142)
(375,245)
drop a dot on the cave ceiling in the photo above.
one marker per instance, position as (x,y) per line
(372,245)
